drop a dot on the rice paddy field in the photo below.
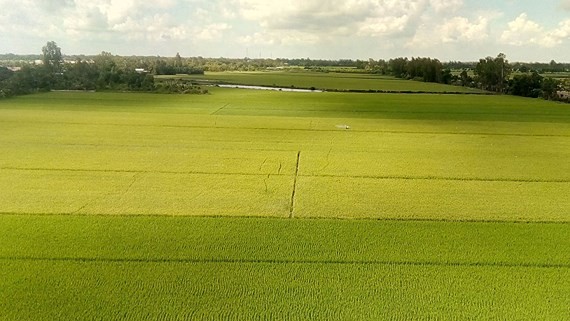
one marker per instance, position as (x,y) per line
(256,205)
(325,81)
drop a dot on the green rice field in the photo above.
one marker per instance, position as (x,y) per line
(256,205)
(325,81)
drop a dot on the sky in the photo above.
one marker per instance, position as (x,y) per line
(464,30)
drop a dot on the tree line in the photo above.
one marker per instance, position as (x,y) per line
(497,74)
(109,72)
(102,72)
(493,74)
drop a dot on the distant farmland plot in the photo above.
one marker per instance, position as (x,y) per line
(203,268)
(243,158)
(248,204)
(327,81)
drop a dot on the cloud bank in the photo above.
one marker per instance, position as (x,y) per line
(450,29)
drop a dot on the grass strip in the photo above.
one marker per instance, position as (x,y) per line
(132,268)
(264,239)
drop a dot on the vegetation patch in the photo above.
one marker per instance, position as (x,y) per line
(204,268)
(254,204)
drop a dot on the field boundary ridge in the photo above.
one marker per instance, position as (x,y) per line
(297,175)
(292,204)
(307,218)
(282,261)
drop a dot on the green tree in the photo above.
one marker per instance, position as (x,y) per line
(466,80)
(80,75)
(107,70)
(178,60)
(550,87)
(446,76)
(5,73)
(493,73)
(526,85)
(52,57)
(398,67)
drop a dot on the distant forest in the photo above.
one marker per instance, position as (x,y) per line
(51,70)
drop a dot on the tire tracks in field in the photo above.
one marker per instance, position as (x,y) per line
(516,115)
(327,159)
(355,130)
(220,109)
(314,218)
(278,173)
(134,179)
(285,261)
(292,203)
(442,178)
(136,171)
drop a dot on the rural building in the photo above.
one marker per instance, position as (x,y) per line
(563,95)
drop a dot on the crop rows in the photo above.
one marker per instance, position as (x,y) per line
(341,81)
(255,269)
(100,192)
(78,192)
(258,291)
(82,168)
(321,105)
(230,206)
(323,240)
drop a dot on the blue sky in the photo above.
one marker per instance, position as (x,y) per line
(524,30)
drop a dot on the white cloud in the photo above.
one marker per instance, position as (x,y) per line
(212,31)
(273,37)
(523,31)
(30,19)
(303,15)
(446,5)
(317,20)
(559,35)
(452,30)
(103,20)
(258,38)
(155,28)
(118,10)
(381,26)
(85,19)
(460,29)
(335,28)
(227,13)
(163,4)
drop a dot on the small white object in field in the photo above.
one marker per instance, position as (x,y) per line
(343,126)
